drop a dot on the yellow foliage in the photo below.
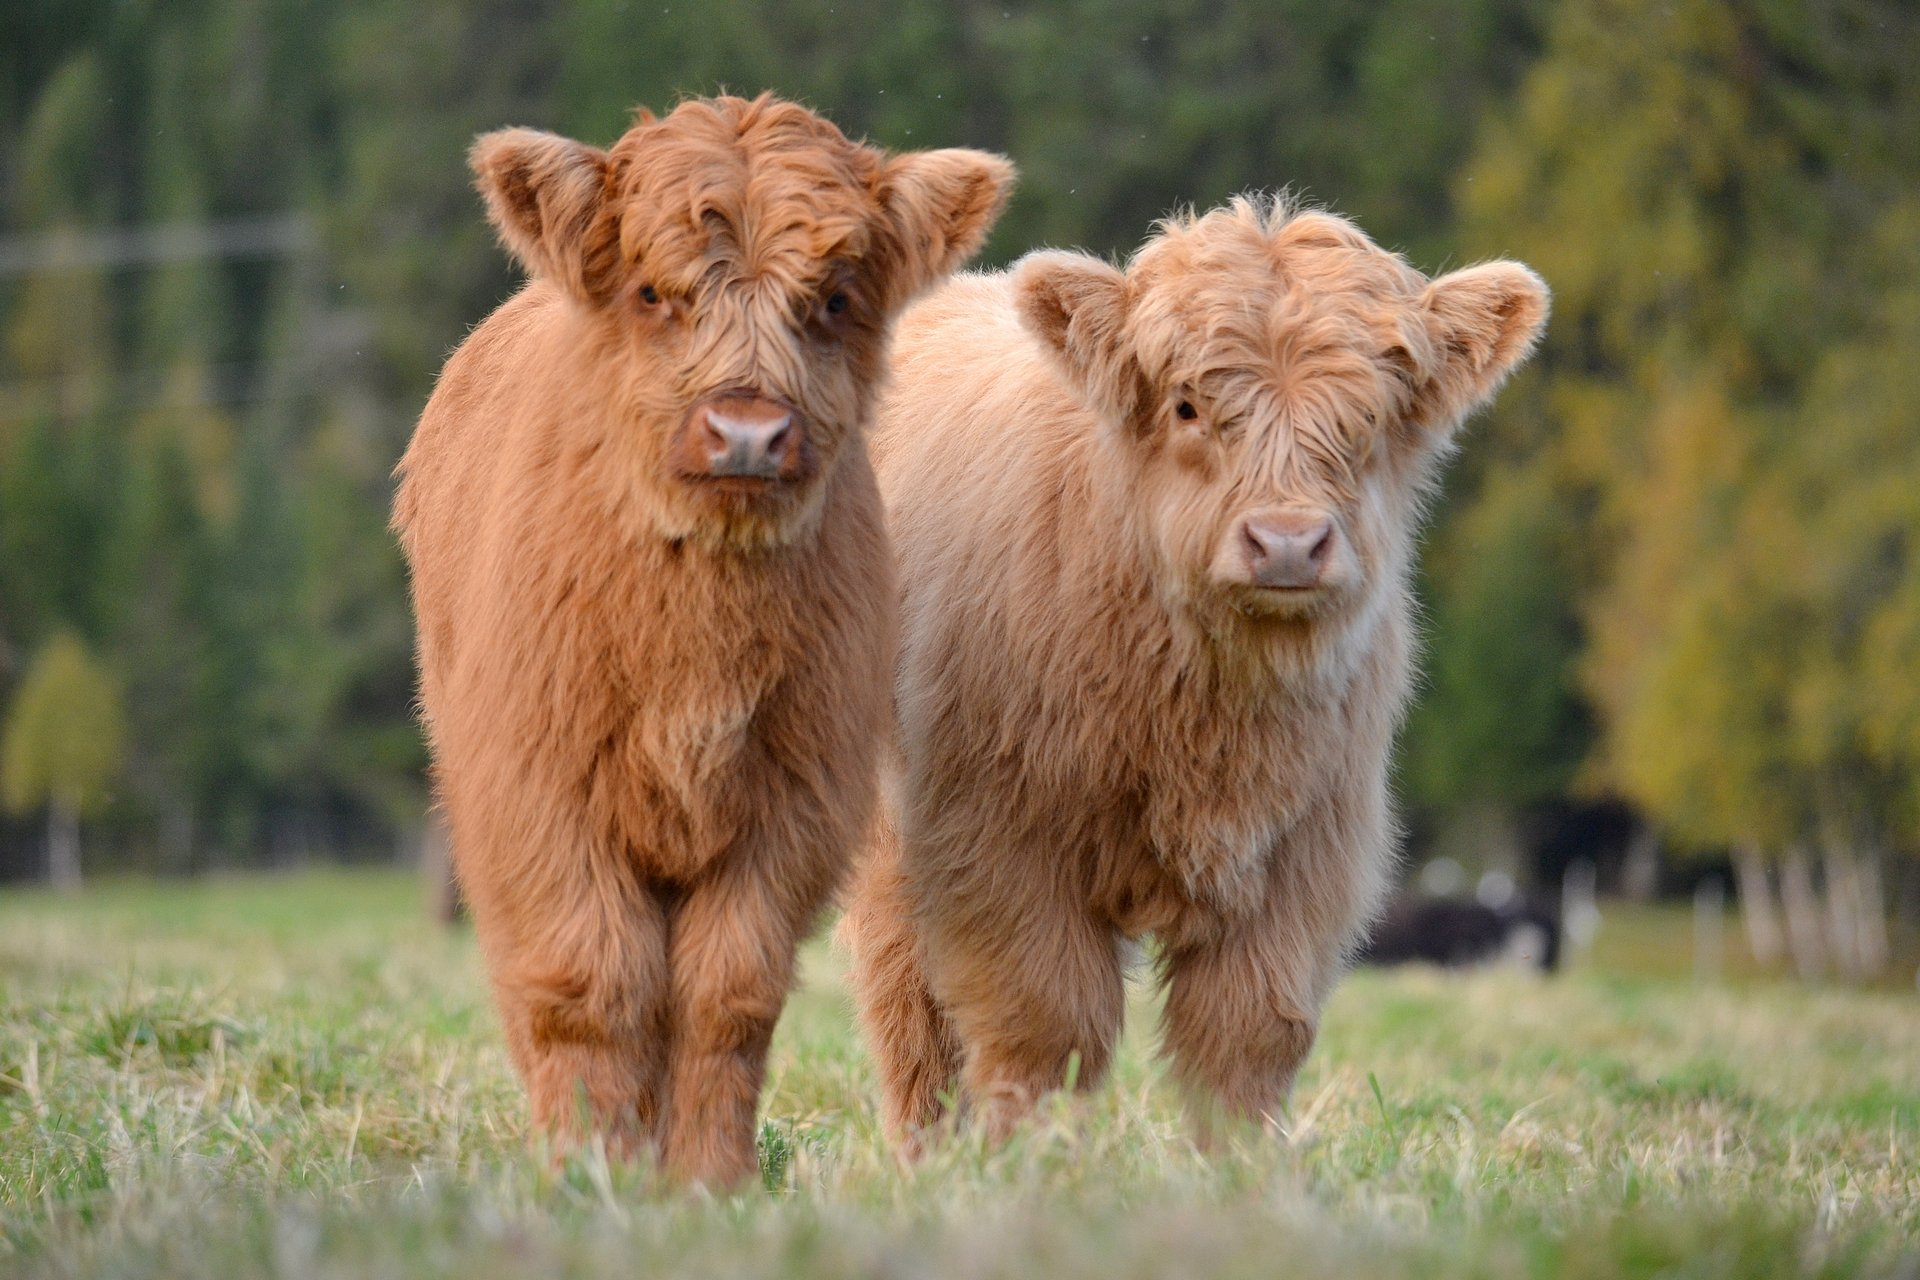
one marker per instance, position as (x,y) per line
(1733,431)
(65,732)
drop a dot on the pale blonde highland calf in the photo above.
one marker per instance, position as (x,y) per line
(655,600)
(1155,529)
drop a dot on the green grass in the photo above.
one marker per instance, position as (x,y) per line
(301,1077)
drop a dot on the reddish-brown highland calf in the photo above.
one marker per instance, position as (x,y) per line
(1155,529)
(655,599)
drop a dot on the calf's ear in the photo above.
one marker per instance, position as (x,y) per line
(1076,305)
(546,196)
(942,205)
(1480,324)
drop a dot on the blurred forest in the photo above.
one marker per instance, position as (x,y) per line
(1673,591)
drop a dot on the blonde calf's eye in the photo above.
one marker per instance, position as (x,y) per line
(649,295)
(1187,412)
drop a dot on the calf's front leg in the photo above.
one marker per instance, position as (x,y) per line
(579,971)
(732,957)
(1240,1018)
(1243,1010)
(1031,984)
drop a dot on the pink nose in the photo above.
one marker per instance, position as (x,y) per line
(747,437)
(1287,549)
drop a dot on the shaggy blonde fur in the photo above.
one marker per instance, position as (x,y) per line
(1107,726)
(654,691)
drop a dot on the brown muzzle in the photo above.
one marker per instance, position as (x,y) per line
(741,436)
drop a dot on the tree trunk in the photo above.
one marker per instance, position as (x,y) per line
(1838,868)
(1803,915)
(63,845)
(176,836)
(1871,928)
(1709,919)
(1640,872)
(1757,911)
(1579,915)
(436,872)
(1906,892)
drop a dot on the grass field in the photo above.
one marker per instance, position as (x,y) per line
(301,1077)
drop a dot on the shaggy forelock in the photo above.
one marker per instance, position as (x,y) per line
(725,189)
(1282,317)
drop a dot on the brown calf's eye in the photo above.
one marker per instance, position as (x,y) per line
(837,302)
(1187,412)
(649,295)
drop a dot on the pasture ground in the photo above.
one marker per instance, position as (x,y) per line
(300,1076)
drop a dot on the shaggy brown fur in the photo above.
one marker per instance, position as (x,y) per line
(654,681)
(1156,528)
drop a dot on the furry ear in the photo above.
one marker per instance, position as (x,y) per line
(1480,323)
(1077,305)
(943,204)
(546,195)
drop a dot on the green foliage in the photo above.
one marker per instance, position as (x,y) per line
(194,453)
(1718,195)
(1676,565)
(1500,720)
(65,732)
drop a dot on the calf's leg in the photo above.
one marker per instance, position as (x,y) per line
(1239,1020)
(582,991)
(1242,1011)
(1031,983)
(732,958)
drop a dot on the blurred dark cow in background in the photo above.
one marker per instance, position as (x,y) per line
(1459,932)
